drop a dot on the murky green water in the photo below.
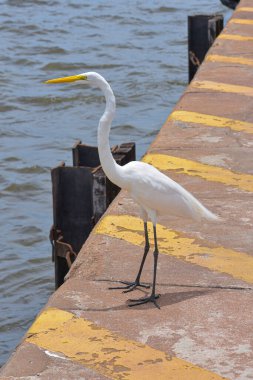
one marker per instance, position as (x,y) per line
(140,47)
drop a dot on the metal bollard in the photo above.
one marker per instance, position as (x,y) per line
(104,191)
(202,31)
(232,4)
(81,194)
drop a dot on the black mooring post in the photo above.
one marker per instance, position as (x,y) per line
(85,155)
(202,31)
(72,215)
(104,191)
(232,4)
(81,194)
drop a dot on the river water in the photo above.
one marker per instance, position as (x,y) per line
(140,47)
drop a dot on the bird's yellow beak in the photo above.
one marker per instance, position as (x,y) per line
(71,78)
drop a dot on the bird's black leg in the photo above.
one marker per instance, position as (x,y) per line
(153,297)
(129,286)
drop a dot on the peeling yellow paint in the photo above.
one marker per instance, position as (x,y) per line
(222,87)
(244,9)
(211,120)
(227,59)
(129,228)
(241,21)
(204,171)
(107,353)
(235,37)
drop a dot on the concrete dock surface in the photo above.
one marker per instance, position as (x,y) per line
(204,329)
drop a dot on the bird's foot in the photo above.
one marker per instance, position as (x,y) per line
(141,301)
(130,286)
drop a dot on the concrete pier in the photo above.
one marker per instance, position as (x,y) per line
(204,329)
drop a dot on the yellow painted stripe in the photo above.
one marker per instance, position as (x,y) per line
(227,59)
(241,21)
(211,120)
(244,9)
(172,243)
(222,87)
(204,171)
(235,37)
(107,353)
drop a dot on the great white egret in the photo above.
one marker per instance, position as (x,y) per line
(153,191)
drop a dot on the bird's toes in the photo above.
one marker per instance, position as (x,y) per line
(141,301)
(130,288)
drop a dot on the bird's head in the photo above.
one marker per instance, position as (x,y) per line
(93,78)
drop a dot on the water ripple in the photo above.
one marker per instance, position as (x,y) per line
(36,169)
(23,188)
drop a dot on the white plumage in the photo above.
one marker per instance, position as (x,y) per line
(160,195)
(154,192)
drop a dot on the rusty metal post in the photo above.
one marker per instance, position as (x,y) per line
(85,155)
(202,31)
(104,191)
(232,4)
(72,215)
(81,194)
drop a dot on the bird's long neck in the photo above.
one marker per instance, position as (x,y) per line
(112,170)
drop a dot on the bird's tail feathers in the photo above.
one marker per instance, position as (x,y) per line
(208,215)
(204,213)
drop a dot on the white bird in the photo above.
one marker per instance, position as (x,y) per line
(153,191)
